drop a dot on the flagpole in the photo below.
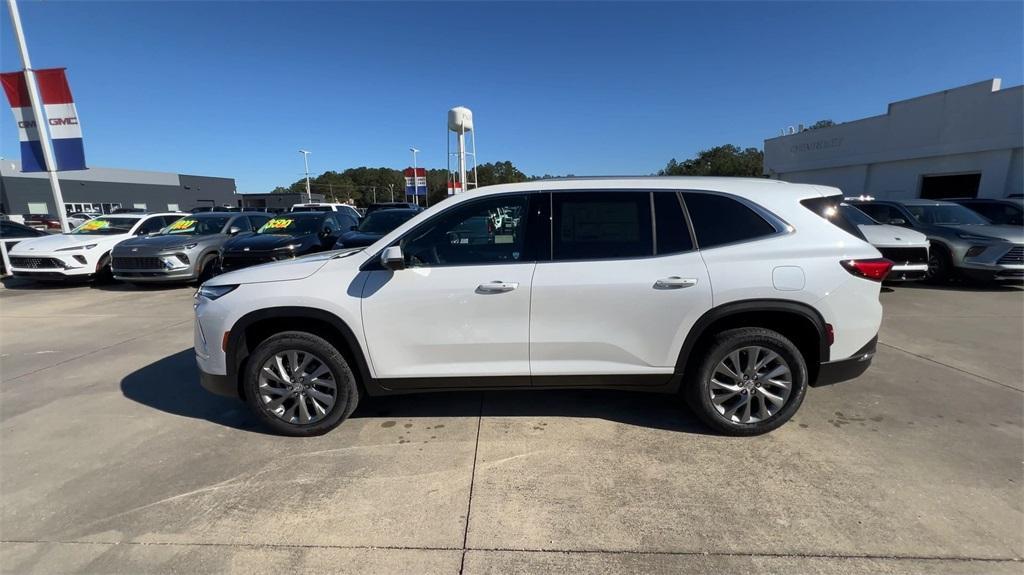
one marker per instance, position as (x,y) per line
(40,117)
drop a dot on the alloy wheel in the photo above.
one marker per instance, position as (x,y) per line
(750,384)
(297,387)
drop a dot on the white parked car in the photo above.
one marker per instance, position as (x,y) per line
(907,249)
(325,207)
(733,292)
(85,252)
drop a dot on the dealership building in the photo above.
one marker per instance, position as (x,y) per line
(105,189)
(963,142)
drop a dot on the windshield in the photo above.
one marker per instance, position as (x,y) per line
(313,209)
(196,226)
(382,222)
(855,216)
(291,226)
(105,226)
(946,215)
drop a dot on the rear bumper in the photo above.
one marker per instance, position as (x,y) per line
(219,384)
(831,372)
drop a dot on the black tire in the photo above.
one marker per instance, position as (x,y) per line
(346,396)
(104,275)
(207,269)
(698,388)
(940,264)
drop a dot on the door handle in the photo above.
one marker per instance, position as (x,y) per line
(496,287)
(675,282)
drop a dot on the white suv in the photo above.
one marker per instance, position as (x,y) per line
(737,293)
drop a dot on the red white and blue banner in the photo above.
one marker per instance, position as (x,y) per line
(417,187)
(60,113)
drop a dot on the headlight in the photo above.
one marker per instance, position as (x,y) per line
(74,248)
(289,247)
(213,292)
(976,238)
(191,245)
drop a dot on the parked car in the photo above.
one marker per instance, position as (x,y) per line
(907,249)
(85,252)
(129,211)
(999,211)
(374,226)
(11,233)
(391,206)
(599,283)
(78,218)
(43,222)
(325,207)
(285,237)
(186,250)
(962,242)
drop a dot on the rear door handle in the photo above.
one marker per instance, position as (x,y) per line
(675,282)
(496,287)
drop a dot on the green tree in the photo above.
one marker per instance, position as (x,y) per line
(727,160)
(821,124)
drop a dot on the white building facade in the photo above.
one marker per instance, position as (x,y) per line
(963,142)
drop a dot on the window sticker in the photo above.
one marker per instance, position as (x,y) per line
(183,225)
(277,224)
(93,225)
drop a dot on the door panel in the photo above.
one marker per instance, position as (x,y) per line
(610,317)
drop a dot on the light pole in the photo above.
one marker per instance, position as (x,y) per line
(415,177)
(305,161)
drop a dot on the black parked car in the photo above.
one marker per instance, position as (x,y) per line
(284,237)
(374,226)
(999,211)
(392,206)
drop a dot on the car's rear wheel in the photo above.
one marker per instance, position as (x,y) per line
(298,384)
(750,381)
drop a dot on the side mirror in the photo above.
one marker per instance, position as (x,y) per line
(898,222)
(234,230)
(392,258)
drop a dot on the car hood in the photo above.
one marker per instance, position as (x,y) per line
(1013,234)
(887,236)
(165,242)
(266,242)
(59,241)
(284,270)
(357,238)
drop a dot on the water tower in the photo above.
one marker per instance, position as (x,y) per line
(460,122)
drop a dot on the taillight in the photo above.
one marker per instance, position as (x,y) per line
(874,270)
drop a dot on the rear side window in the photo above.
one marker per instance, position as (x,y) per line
(671,232)
(844,216)
(601,225)
(718,220)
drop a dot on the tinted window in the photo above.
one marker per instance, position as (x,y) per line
(719,220)
(880,212)
(243,223)
(601,225)
(346,221)
(256,222)
(672,233)
(945,214)
(479,232)
(1002,214)
(154,224)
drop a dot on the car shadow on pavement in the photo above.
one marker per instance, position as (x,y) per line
(960,285)
(172,385)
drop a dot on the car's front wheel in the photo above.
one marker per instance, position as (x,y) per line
(750,381)
(298,384)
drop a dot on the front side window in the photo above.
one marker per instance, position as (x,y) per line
(946,215)
(490,231)
(601,225)
(719,220)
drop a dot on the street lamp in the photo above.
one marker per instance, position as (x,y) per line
(305,161)
(415,179)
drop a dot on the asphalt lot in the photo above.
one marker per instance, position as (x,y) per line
(112,459)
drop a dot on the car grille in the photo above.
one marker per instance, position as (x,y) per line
(906,255)
(36,263)
(1013,257)
(239,261)
(143,263)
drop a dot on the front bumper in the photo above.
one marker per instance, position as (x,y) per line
(53,265)
(160,267)
(831,372)
(997,261)
(225,385)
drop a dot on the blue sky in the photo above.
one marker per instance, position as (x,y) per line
(234,89)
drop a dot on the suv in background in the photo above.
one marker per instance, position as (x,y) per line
(392,206)
(284,237)
(962,242)
(733,292)
(186,250)
(1002,212)
(323,207)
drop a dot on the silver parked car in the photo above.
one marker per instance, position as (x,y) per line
(186,250)
(962,242)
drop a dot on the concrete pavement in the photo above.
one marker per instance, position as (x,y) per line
(112,459)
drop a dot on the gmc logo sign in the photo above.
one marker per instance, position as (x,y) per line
(69,121)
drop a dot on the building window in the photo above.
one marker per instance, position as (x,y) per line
(172,207)
(950,186)
(37,208)
(139,206)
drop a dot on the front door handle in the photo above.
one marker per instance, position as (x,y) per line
(496,287)
(675,282)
